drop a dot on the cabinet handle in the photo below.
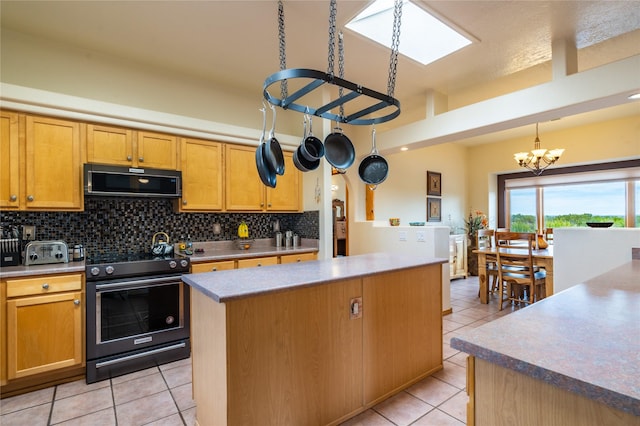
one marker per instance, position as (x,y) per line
(298,260)
(129,158)
(261,204)
(259,264)
(141,159)
(13,198)
(269,205)
(184,202)
(29,197)
(45,286)
(76,302)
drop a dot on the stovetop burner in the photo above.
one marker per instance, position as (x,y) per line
(107,266)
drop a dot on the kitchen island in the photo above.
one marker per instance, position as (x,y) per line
(570,359)
(312,343)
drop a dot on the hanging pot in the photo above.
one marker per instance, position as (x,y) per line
(311,148)
(301,162)
(339,151)
(272,150)
(373,168)
(267,176)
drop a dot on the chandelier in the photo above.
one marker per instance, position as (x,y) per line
(538,159)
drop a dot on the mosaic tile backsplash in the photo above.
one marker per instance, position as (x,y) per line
(111,224)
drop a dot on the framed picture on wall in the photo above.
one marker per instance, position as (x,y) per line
(434,183)
(434,206)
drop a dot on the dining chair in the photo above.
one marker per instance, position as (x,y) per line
(548,235)
(484,239)
(525,283)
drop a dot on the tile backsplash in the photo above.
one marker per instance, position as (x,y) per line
(111,224)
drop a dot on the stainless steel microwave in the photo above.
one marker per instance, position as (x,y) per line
(120,181)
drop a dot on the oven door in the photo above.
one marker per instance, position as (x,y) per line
(130,314)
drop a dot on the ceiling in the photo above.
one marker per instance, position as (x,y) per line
(236,43)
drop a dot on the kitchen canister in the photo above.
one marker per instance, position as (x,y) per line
(296,240)
(278,239)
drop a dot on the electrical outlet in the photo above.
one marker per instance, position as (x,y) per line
(402,235)
(28,232)
(420,236)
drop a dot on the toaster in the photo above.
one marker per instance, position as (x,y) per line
(44,252)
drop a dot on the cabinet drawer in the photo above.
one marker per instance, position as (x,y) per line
(293,258)
(260,261)
(212,266)
(43,285)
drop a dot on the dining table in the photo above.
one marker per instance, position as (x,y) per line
(542,258)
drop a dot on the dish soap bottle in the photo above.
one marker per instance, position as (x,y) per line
(189,246)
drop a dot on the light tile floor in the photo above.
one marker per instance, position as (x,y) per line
(162,395)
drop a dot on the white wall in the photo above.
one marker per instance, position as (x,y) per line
(580,254)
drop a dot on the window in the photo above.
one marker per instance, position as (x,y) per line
(571,196)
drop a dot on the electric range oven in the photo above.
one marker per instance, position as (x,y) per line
(137,313)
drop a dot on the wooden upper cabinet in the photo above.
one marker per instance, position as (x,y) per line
(9,161)
(244,189)
(109,145)
(125,147)
(202,175)
(287,194)
(157,151)
(246,192)
(53,164)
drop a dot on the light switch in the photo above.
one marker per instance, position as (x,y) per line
(355,308)
(420,236)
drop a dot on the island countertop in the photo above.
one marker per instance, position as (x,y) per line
(585,340)
(222,286)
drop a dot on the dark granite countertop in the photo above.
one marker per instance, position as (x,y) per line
(223,286)
(585,339)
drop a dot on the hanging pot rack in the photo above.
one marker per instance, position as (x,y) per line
(312,80)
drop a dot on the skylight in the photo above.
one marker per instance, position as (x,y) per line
(423,37)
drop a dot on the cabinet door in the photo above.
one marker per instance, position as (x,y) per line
(53,174)
(222,265)
(402,333)
(201,175)
(9,160)
(44,333)
(244,190)
(286,196)
(157,151)
(294,258)
(260,261)
(109,145)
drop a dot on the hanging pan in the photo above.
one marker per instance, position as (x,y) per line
(373,168)
(267,176)
(272,150)
(339,151)
(311,148)
(300,160)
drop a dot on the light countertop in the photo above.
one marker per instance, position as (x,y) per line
(585,339)
(223,286)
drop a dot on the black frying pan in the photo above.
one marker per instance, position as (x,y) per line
(311,147)
(299,160)
(273,151)
(267,176)
(339,151)
(373,168)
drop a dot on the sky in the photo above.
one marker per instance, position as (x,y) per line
(605,199)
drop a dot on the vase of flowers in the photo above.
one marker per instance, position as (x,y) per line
(475,222)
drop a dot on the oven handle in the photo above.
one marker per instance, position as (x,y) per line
(140,355)
(137,283)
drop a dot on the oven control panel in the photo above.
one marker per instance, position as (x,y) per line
(45,252)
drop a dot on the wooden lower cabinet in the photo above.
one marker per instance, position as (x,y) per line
(294,258)
(300,357)
(44,329)
(258,261)
(222,265)
(500,396)
(402,330)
